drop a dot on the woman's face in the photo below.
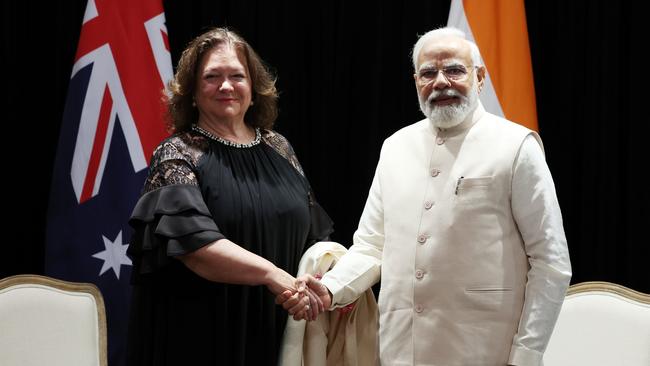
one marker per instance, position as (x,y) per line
(223,88)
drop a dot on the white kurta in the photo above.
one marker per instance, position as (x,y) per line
(465,227)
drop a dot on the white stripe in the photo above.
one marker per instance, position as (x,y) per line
(161,55)
(107,146)
(88,119)
(458,19)
(91,11)
(104,73)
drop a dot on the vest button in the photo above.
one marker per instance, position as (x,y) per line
(419,274)
(418,308)
(435,172)
(428,204)
(440,140)
(422,239)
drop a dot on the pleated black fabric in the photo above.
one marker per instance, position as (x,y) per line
(252,196)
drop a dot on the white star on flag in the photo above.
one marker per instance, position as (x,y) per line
(114,256)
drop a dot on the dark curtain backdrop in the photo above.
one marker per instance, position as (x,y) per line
(345,79)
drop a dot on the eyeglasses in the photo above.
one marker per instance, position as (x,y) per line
(427,74)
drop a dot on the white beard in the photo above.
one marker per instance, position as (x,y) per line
(450,115)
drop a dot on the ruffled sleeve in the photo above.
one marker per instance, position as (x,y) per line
(169,221)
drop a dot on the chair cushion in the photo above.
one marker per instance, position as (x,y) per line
(601,328)
(42,325)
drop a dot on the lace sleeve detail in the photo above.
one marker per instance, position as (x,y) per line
(174,162)
(169,172)
(280,144)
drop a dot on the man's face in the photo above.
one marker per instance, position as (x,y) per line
(447,81)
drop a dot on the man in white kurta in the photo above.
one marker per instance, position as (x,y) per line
(463,226)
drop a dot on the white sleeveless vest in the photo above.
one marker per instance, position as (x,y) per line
(453,271)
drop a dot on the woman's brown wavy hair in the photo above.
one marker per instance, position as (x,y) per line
(181,112)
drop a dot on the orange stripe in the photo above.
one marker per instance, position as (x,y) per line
(499,28)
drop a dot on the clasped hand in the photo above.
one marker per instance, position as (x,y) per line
(310,299)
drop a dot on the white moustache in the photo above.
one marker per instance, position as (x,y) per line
(444,93)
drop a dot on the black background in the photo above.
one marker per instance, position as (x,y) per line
(345,80)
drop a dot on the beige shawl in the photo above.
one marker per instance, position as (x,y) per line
(344,336)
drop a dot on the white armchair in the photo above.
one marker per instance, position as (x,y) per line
(45,321)
(601,324)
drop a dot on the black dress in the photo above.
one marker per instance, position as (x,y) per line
(200,190)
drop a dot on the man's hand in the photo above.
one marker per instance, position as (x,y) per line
(310,289)
(318,289)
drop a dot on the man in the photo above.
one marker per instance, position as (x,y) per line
(463,222)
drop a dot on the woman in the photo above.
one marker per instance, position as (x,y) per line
(225,216)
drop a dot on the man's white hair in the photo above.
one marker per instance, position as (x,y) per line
(443,33)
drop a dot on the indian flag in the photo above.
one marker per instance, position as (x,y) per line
(499,29)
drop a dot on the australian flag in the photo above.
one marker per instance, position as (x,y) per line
(113,119)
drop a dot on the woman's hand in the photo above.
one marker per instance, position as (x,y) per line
(278,281)
(227,262)
(285,286)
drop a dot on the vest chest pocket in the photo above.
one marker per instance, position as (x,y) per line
(473,189)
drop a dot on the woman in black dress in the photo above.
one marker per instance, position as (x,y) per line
(224,218)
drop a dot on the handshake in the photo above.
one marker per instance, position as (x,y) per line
(304,297)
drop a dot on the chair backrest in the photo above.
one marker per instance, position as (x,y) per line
(601,323)
(45,321)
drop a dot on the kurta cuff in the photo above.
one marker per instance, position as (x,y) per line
(522,356)
(337,290)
